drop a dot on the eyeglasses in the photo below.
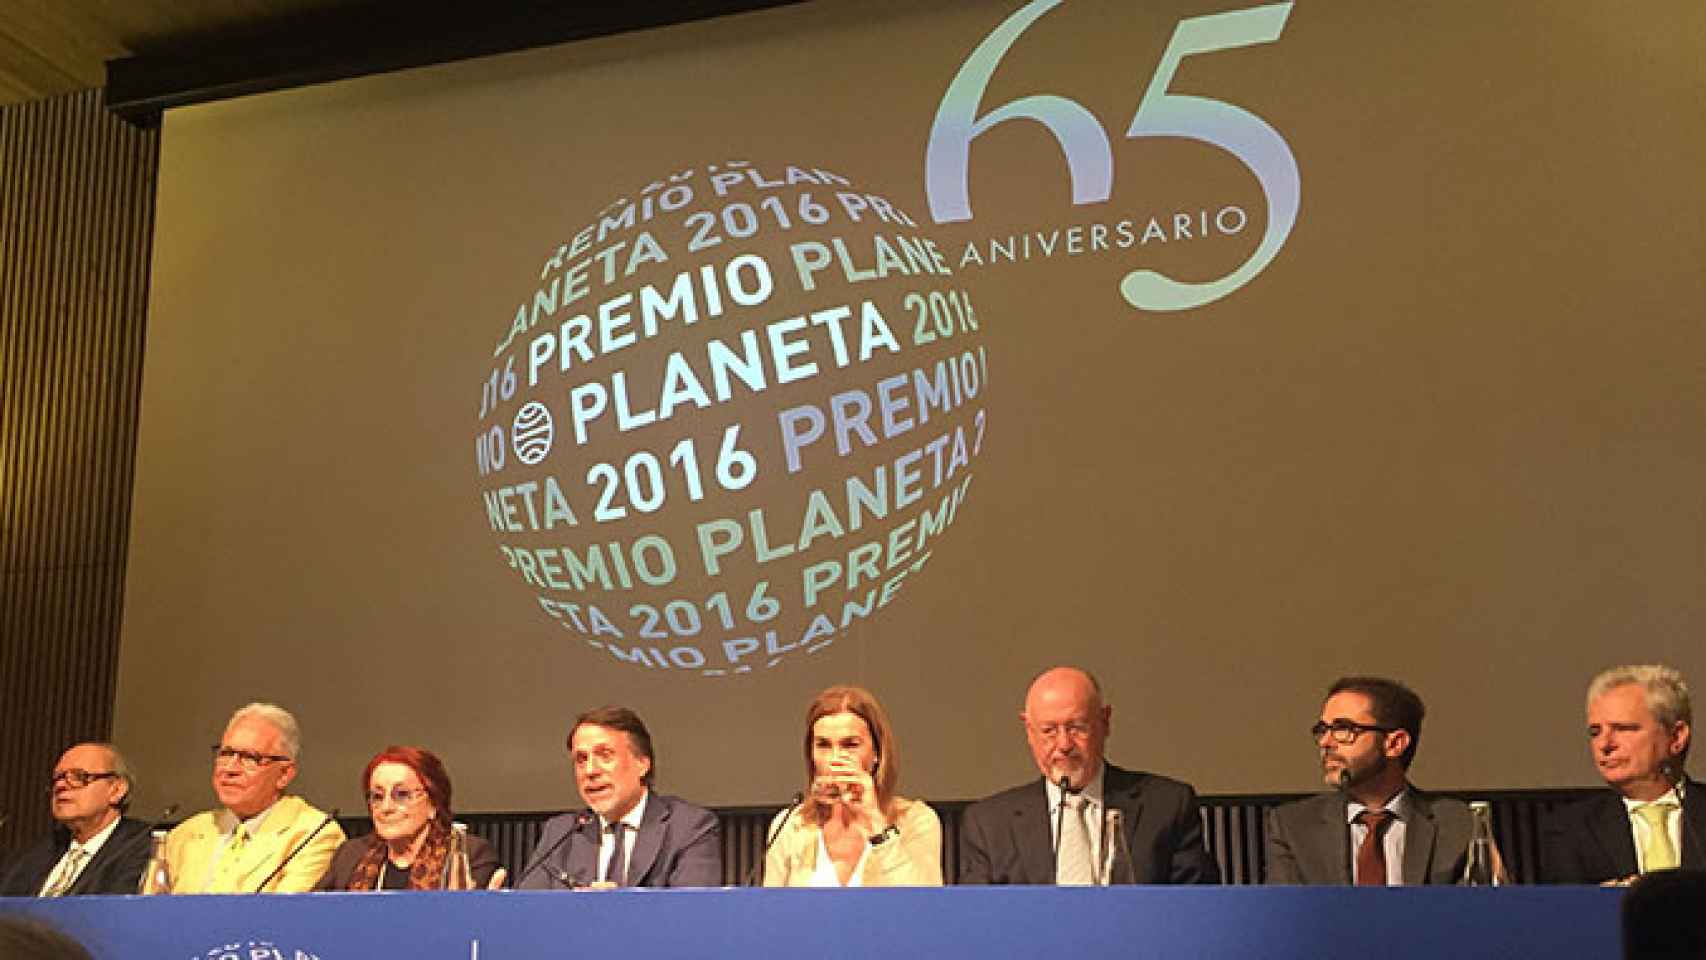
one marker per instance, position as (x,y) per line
(398,795)
(78,779)
(249,760)
(1075,729)
(1344,731)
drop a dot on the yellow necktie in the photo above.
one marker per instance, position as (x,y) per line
(1657,853)
(225,875)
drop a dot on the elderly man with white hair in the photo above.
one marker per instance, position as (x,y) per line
(1653,818)
(259,840)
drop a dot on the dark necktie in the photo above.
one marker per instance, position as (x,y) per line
(1371,855)
(618,857)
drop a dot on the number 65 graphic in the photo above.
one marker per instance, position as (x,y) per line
(1089,158)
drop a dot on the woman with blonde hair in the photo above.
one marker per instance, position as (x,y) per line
(851,829)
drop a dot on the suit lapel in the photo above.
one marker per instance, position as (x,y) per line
(582,863)
(193,868)
(117,845)
(125,838)
(1033,837)
(1694,826)
(1420,833)
(1611,830)
(263,850)
(33,875)
(654,823)
(1120,792)
(1331,839)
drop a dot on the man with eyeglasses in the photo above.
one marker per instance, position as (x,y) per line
(1050,831)
(1374,828)
(1639,721)
(259,840)
(94,848)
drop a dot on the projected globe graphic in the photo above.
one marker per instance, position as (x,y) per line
(731,419)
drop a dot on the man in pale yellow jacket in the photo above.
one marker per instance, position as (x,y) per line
(259,840)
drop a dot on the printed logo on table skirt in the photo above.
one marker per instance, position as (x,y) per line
(256,950)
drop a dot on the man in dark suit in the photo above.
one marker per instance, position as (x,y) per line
(630,836)
(1653,817)
(1011,837)
(94,848)
(1375,828)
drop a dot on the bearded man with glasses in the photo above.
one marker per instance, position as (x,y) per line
(94,848)
(259,840)
(1374,828)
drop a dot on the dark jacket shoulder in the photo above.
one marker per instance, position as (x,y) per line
(116,868)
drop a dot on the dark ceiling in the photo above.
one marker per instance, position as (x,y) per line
(151,55)
(54,47)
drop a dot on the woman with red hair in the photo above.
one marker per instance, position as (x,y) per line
(851,829)
(408,793)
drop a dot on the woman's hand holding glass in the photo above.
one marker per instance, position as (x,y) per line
(842,782)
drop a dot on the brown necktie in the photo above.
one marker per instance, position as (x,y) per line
(1371,855)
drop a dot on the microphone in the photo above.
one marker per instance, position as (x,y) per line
(793,805)
(309,839)
(561,876)
(1344,779)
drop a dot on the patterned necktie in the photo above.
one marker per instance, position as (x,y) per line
(1073,866)
(67,873)
(617,870)
(1657,853)
(1371,855)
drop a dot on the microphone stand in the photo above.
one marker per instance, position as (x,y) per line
(793,805)
(1066,790)
(561,876)
(299,847)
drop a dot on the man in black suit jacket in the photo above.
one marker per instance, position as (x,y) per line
(1639,720)
(94,848)
(1009,838)
(630,836)
(1367,736)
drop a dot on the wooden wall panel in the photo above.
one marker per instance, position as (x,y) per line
(76,223)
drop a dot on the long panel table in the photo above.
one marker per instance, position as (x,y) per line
(1172,922)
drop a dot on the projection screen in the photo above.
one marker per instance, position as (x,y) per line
(1222,349)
